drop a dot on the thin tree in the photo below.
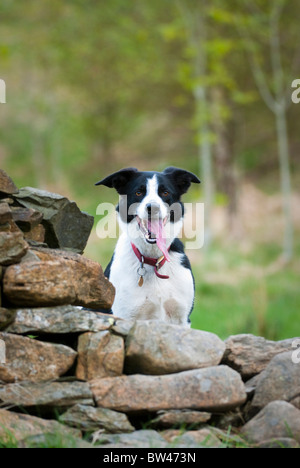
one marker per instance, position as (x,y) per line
(274,93)
(195,21)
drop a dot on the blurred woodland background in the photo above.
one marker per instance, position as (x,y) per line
(94,86)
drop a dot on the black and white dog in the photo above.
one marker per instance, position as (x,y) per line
(149,269)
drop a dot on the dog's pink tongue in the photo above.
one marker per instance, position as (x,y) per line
(156,227)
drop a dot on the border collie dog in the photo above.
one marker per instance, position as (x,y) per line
(149,269)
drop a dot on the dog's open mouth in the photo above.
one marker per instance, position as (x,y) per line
(154,232)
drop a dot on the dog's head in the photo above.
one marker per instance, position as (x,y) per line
(150,207)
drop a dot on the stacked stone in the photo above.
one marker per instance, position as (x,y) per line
(42,235)
(108,377)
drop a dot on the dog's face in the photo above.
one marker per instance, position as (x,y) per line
(150,207)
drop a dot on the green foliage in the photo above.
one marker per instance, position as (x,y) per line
(83,82)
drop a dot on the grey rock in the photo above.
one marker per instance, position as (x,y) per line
(277,420)
(66,226)
(7,316)
(179,418)
(7,200)
(251,385)
(279,381)
(12,247)
(15,426)
(60,320)
(249,354)
(296,401)
(99,355)
(46,394)
(88,419)
(214,389)
(202,438)
(145,438)
(30,257)
(5,214)
(71,280)
(27,359)
(26,218)
(168,348)
(7,186)
(122,327)
(54,439)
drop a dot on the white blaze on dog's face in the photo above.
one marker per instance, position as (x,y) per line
(153,217)
(152,204)
(150,208)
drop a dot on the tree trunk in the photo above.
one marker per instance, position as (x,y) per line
(224,155)
(205,160)
(281,128)
(285,180)
(277,105)
(195,18)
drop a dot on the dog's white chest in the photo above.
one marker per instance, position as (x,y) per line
(169,300)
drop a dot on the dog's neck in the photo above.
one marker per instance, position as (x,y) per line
(148,250)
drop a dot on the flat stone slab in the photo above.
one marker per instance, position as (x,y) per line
(89,419)
(212,389)
(60,320)
(167,348)
(180,418)
(65,279)
(50,394)
(31,360)
(66,226)
(250,354)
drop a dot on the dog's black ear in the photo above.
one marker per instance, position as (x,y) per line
(118,180)
(181,178)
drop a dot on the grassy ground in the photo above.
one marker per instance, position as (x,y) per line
(62,440)
(238,294)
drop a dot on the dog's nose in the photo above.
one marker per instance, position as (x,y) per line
(153,209)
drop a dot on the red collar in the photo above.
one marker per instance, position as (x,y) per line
(157,263)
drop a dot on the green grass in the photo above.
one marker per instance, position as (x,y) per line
(237,294)
(8,439)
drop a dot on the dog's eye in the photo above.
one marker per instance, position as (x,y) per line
(139,193)
(165,193)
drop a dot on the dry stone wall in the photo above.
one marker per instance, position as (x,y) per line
(77,372)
